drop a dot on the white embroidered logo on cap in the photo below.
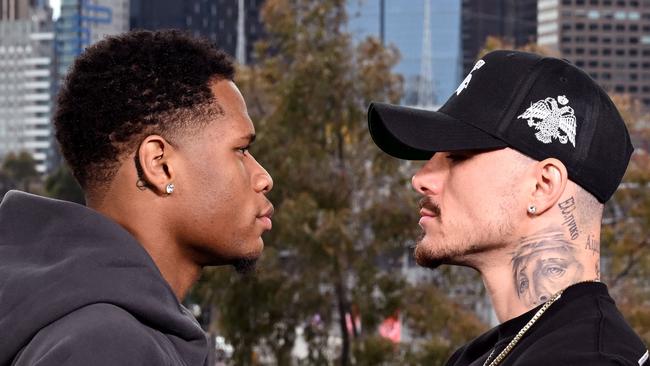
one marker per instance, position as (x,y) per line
(551,119)
(465,82)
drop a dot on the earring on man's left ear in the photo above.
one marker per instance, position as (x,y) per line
(170,188)
(532,209)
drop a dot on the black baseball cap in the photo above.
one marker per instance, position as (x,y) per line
(543,107)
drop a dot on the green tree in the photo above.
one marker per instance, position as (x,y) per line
(344,209)
(625,247)
(62,185)
(20,169)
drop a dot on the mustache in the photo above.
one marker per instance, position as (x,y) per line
(428,204)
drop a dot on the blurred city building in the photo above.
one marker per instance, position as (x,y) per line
(26,69)
(610,39)
(80,24)
(84,22)
(233,25)
(404,27)
(515,21)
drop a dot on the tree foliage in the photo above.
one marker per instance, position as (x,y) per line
(18,172)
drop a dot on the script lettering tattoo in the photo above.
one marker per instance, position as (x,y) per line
(544,263)
(567,207)
(593,245)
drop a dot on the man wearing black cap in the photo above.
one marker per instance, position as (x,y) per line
(520,160)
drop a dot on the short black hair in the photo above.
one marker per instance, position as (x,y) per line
(129,85)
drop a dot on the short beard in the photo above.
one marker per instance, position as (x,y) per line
(459,253)
(245,266)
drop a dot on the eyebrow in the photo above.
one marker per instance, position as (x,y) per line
(250,138)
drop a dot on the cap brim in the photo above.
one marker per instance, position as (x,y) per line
(416,134)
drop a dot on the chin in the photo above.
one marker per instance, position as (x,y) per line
(430,255)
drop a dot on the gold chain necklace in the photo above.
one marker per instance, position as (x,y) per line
(523,330)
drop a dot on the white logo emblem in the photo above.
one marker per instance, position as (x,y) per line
(551,119)
(465,82)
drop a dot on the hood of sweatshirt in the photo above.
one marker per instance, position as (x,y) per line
(57,257)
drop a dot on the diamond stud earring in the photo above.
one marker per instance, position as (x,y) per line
(170,188)
(532,209)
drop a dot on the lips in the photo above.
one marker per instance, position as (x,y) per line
(265,217)
(428,207)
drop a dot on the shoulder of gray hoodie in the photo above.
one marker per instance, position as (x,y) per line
(77,289)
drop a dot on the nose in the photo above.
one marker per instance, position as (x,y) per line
(428,180)
(262,181)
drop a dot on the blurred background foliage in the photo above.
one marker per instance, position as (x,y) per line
(332,272)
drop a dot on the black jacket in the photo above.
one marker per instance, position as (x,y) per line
(583,327)
(78,289)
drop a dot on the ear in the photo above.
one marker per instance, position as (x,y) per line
(155,156)
(551,180)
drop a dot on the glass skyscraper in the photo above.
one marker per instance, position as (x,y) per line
(403,27)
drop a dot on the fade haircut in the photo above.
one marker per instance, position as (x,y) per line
(128,86)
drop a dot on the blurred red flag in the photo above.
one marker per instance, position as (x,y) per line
(391,328)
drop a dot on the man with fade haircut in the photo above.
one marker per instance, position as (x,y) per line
(519,162)
(157,134)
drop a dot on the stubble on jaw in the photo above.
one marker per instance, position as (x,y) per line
(469,241)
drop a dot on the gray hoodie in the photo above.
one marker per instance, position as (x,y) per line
(77,289)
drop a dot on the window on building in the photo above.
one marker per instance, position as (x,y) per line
(594,75)
(633,89)
(606,65)
(593,39)
(634,77)
(593,63)
(593,26)
(580,26)
(620,27)
(580,51)
(580,63)
(607,27)
(606,76)
(619,88)
(633,52)
(607,51)
(566,51)
(633,40)
(633,65)
(566,2)
(633,27)
(593,52)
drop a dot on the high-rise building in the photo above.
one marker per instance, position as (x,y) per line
(14,9)
(515,21)
(26,53)
(84,22)
(217,20)
(402,25)
(608,39)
